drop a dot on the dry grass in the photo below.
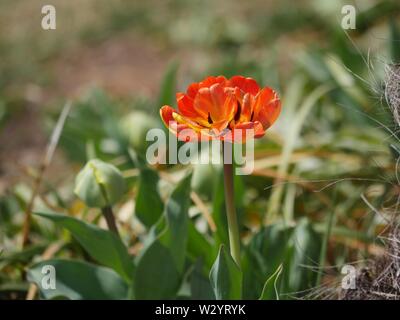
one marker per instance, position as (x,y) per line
(380,279)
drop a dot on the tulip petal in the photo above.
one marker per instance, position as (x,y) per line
(192,90)
(205,83)
(214,104)
(187,121)
(187,134)
(185,105)
(247,130)
(267,107)
(247,85)
(166,113)
(246,108)
(209,81)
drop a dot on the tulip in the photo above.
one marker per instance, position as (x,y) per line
(217,108)
(231,110)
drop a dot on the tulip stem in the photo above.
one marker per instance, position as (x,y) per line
(233,229)
(110,219)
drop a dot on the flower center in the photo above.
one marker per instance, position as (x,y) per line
(209,119)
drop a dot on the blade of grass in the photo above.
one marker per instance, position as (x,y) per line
(288,148)
(327,234)
(51,147)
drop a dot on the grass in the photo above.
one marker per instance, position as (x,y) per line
(326,173)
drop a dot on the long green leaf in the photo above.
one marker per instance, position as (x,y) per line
(263,255)
(160,266)
(270,290)
(298,120)
(199,247)
(78,280)
(302,254)
(176,213)
(167,92)
(149,205)
(200,287)
(226,277)
(156,276)
(102,245)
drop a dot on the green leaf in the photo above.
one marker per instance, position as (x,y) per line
(199,247)
(79,280)
(226,277)
(394,41)
(159,270)
(302,254)
(263,255)
(167,92)
(270,290)
(156,276)
(105,247)
(299,119)
(21,256)
(102,112)
(148,194)
(176,212)
(200,287)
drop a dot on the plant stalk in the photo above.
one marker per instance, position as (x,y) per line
(233,229)
(28,211)
(110,219)
(51,147)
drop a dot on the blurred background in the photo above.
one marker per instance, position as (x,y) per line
(329,159)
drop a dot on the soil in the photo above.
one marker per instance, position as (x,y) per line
(123,66)
(380,279)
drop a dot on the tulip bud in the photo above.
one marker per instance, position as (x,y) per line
(135,127)
(99,184)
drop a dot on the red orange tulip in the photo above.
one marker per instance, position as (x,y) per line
(220,108)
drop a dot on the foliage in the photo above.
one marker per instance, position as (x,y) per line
(307,205)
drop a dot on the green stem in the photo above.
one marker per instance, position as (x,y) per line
(233,229)
(109,216)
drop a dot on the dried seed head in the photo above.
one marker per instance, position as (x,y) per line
(392,90)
